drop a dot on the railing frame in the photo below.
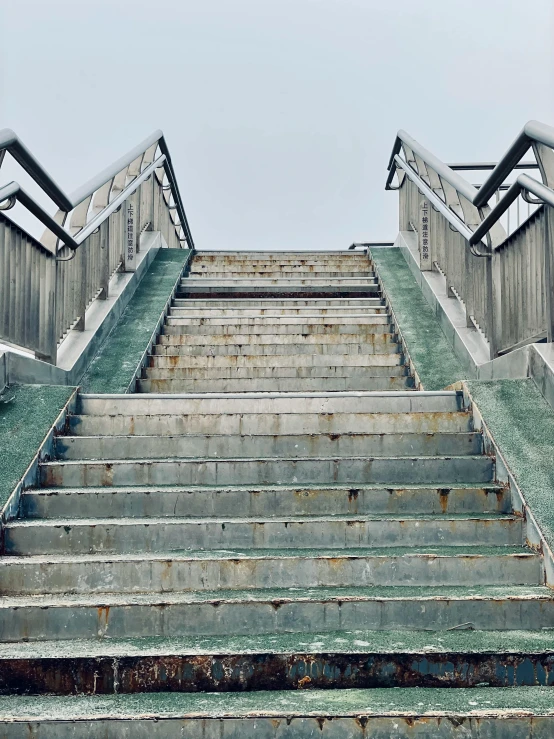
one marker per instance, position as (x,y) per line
(90,208)
(466,208)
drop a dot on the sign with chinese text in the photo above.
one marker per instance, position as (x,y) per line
(130,237)
(425,261)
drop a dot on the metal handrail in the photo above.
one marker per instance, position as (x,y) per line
(533,132)
(10,142)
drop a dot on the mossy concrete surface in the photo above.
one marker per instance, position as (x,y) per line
(522,425)
(113,368)
(27,413)
(287,703)
(430,350)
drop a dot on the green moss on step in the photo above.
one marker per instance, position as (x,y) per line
(113,368)
(430,350)
(26,414)
(522,424)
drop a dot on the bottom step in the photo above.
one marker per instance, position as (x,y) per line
(478,713)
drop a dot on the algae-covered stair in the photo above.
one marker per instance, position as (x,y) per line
(276,536)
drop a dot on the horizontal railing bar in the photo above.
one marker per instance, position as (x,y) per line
(523,182)
(14,190)
(532,131)
(477,166)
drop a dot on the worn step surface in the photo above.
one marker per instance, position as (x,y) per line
(272,518)
(282,568)
(273,611)
(381,713)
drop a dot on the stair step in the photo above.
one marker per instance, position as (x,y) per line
(274,611)
(160,372)
(255,326)
(332,384)
(216,315)
(340,659)
(381,713)
(263,403)
(267,446)
(136,535)
(178,345)
(279,303)
(168,421)
(204,471)
(269,500)
(203,289)
(296,281)
(173,357)
(166,572)
(237,272)
(372,340)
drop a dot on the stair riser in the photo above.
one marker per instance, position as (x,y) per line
(399,727)
(282,385)
(271,472)
(360,281)
(114,538)
(268,671)
(213,340)
(272,315)
(262,502)
(177,326)
(181,574)
(294,405)
(220,618)
(244,349)
(273,424)
(173,357)
(296,291)
(372,445)
(267,373)
(286,304)
(235,272)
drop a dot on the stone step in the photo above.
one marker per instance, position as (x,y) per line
(368,324)
(280,303)
(160,372)
(368,330)
(361,281)
(244,347)
(402,713)
(374,339)
(261,500)
(339,660)
(233,315)
(266,446)
(136,535)
(293,289)
(336,384)
(168,572)
(273,611)
(294,403)
(243,272)
(165,357)
(168,424)
(204,471)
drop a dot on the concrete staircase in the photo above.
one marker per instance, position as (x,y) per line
(261,549)
(257,323)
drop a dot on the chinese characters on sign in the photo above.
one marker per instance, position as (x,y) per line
(130,237)
(424,236)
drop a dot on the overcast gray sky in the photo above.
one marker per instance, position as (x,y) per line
(280,115)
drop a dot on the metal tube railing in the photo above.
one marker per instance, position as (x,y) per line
(514,302)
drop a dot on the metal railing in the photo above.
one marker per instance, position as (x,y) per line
(47,285)
(492,242)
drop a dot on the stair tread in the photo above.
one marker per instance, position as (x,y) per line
(514,702)
(427,552)
(379,593)
(234,460)
(466,641)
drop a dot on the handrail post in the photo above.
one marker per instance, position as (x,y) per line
(104,259)
(548,273)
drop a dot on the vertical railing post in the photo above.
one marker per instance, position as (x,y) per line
(548,272)
(104,259)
